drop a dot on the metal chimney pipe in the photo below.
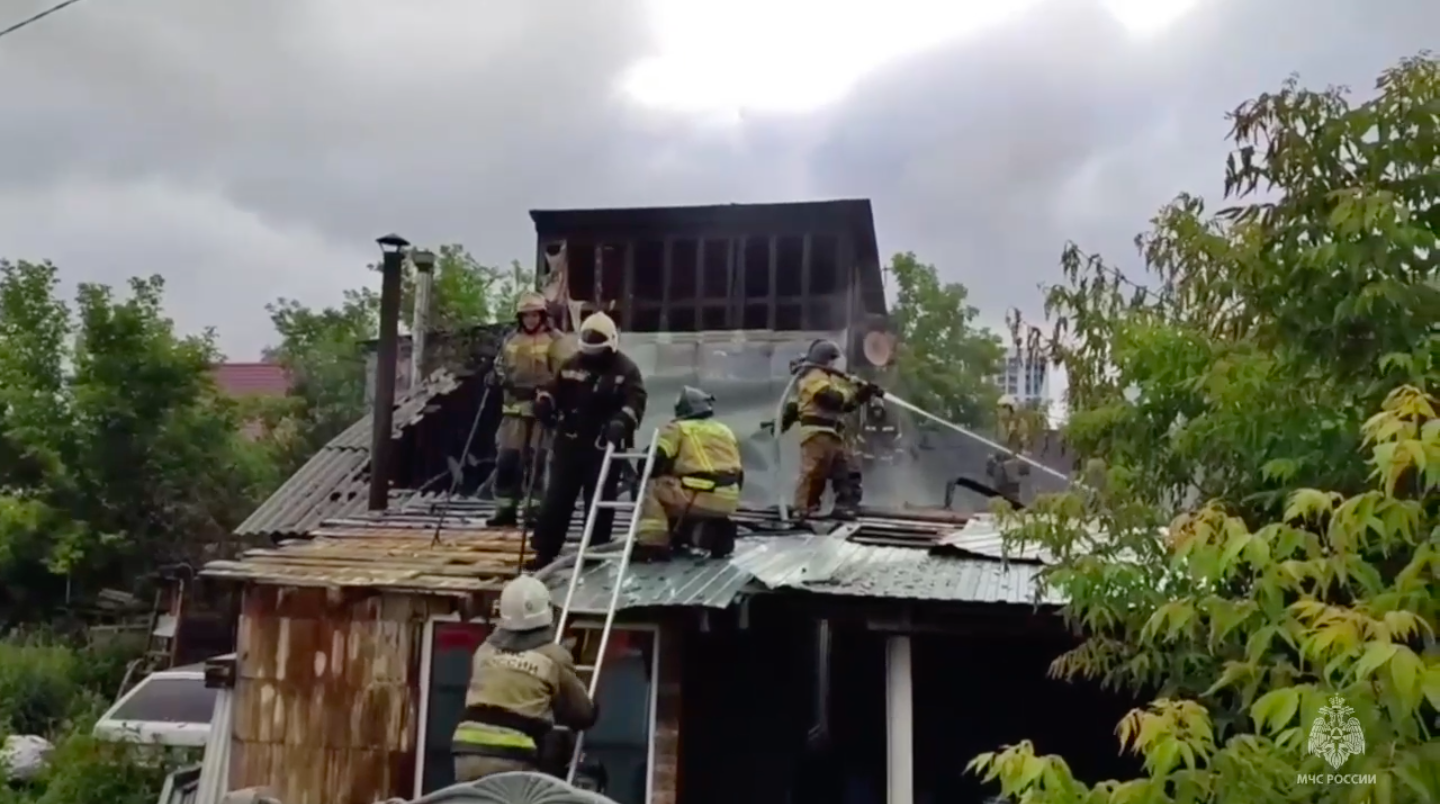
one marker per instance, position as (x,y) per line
(387,354)
(424,262)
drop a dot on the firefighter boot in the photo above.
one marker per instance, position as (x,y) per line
(650,553)
(505,517)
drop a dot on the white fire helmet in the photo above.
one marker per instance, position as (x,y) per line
(598,334)
(525,605)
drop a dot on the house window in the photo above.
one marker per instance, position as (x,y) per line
(620,742)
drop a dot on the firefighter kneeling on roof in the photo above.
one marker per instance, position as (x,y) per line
(522,685)
(695,484)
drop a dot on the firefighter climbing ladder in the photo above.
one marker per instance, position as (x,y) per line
(611,456)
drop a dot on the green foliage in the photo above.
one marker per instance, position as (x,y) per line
(946,364)
(55,690)
(1248,374)
(116,453)
(323,348)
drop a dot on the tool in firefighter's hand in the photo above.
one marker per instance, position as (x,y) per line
(596,503)
(457,466)
(534,457)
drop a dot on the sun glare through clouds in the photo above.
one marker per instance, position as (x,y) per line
(800,55)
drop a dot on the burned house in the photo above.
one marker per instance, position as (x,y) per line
(893,648)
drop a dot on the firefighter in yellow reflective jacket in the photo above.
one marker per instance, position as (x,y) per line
(695,484)
(522,685)
(527,361)
(825,395)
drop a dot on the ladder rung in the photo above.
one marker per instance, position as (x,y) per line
(621,505)
(629,456)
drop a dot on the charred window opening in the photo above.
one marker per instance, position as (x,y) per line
(820,313)
(757,269)
(789,316)
(580,256)
(756,316)
(825,264)
(611,272)
(646,318)
(790,266)
(649,271)
(681,319)
(684,261)
(714,317)
(715,281)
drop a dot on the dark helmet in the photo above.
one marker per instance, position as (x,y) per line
(823,353)
(694,404)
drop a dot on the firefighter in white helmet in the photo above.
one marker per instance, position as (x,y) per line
(522,685)
(526,363)
(597,399)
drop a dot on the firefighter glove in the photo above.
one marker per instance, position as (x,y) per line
(790,415)
(545,409)
(615,432)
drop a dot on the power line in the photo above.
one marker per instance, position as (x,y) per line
(36,18)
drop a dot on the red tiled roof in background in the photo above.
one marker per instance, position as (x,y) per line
(251,379)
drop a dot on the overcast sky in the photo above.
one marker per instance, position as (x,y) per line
(255,149)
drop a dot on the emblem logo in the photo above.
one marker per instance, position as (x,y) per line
(1335,736)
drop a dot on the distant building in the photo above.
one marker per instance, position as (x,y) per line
(240,380)
(1026,378)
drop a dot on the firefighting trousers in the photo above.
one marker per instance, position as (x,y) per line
(825,458)
(574,468)
(669,499)
(516,459)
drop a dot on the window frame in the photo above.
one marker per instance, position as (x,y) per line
(427,655)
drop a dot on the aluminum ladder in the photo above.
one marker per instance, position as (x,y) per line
(648,456)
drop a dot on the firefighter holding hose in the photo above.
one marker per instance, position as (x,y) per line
(825,395)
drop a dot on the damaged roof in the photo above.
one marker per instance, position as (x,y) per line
(935,557)
(335,481)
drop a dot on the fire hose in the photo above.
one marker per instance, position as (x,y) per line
(901,403)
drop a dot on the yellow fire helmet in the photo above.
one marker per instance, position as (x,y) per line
(598,334)
(529,302)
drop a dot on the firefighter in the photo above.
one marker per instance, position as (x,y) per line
(697,477)
(1005,470)
(569,343)
(526,363)
(597,398)
(825,395)
(522,685)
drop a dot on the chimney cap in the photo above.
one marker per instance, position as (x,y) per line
(392,242)
(424,260)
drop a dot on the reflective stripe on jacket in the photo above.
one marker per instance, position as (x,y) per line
(704,454)
(521,684)
(528,362)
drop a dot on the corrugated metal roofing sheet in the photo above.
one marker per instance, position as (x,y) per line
(335,481)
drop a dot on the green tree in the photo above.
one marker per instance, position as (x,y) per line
(1245,370)
(946,362)
(116,452)
(323,347)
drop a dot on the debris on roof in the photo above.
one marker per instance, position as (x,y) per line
(376,554)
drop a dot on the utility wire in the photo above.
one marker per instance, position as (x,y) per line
(36,18)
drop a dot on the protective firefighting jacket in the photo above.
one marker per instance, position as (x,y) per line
(521,686)
(589,391)
(528,361)
(823,400)
(703,454)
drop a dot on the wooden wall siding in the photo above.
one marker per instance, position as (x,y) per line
(327,693)
(808,278)
(667,715)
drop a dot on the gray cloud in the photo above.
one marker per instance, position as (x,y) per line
(250,150)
